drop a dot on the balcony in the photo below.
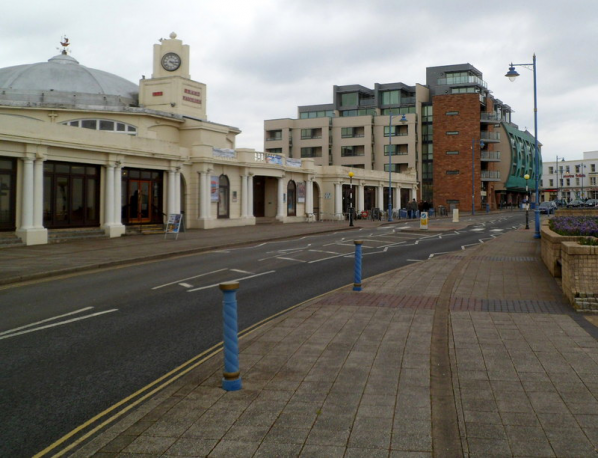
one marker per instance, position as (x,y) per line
(490,137)
(490,156)
(490,117)
(490,175)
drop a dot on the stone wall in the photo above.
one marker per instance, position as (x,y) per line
(580,275)
(550,243)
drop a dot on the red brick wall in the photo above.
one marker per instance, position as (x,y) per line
(467,124)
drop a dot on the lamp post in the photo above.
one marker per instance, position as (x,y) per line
(581,172)
(351,198)
(512,74)
(526,176)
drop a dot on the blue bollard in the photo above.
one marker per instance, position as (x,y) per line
(231,377)
(357,278)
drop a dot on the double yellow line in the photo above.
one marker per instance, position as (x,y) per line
(149,391)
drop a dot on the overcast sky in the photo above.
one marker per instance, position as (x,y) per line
(261,59)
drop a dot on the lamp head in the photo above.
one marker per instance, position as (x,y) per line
(351,174)
(526,176)
(403,118)
(512,73)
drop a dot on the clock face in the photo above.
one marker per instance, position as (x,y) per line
(171,61)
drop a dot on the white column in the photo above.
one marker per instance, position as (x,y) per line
(27,210)
(338,202)
(117,215)
(177,191)
(361,197)
(244,200)
(203,210)
(171,192)
(280,210)
(250,195)
(309,196)
(380,199)
(109,199)
(38,194)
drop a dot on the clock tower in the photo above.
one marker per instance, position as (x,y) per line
(170,88)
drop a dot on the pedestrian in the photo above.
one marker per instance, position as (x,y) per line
(412,208)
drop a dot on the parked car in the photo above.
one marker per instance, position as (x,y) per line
(576,203)
(547,207)
(591,203)
(560,202)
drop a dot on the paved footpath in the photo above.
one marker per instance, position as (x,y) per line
(475,353)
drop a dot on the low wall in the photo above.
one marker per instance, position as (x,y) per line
(580,275)
(550,243)
(576,212)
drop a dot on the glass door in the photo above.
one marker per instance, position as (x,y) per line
(140,201)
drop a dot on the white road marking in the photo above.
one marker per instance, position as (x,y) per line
(188,278)
(241,271)
(185,285)
(236,279)
(45,321)
(57,324)
(289,259)
(415,260)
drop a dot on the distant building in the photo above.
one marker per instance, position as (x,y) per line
(452,133)
(569,180)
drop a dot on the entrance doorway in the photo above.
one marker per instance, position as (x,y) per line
(140,201)
(8,174)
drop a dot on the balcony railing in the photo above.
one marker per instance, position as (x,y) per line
(490,136)
(490,117)
(491,156)
(490,175)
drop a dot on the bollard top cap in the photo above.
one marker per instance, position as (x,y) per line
(358,242)
(229,286)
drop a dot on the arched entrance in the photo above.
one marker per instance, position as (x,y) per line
(141,197)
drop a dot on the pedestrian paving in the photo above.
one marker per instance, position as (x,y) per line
(475,353)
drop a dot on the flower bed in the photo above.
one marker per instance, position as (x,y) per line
(575,225)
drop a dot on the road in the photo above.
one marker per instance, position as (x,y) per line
(71,348)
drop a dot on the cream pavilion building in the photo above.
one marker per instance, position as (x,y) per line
(83,148)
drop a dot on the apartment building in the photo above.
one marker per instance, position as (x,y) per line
(452,133)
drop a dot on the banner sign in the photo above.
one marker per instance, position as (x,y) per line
(274,159)
(301,192)
(294,162)
(214,185)
(224,152)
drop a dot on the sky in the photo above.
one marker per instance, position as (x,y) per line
(261,59)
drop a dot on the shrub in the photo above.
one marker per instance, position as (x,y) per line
(575,225)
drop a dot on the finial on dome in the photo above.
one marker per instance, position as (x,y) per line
(173,35)
(64,41)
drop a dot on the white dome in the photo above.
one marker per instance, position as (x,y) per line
(62,81)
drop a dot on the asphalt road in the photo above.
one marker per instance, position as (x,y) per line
(73,347)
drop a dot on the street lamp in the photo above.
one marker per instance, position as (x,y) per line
(403,119)
(512,74)
(351,198)
(526,176)
(557,180)
(581,172)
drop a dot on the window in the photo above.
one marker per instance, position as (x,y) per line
(452,153)
(592,167)
(396,168)
(391,97)
(568,182)
(311,152)
(316,114)
(350,99)
(427,170)
(550,170)
(361,112)
(274,151)
(452,113)
(452,132)
(428,132)
(427,113)
(397,150)
(347,132)
(427,151)
(291,199)
(273,135)
(452,172)
(103,124)
(307,134)
(551,182)
(348,151)
(223,197)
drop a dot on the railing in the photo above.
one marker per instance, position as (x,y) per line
(493,117)
(462,80)
(273,139)
(491,155)
(310,137)
(490,136)
(490,175)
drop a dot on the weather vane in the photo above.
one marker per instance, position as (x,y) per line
(64,41)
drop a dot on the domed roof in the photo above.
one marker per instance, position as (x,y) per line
(63,81)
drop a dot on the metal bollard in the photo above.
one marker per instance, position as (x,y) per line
(231,377)
(357,277)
